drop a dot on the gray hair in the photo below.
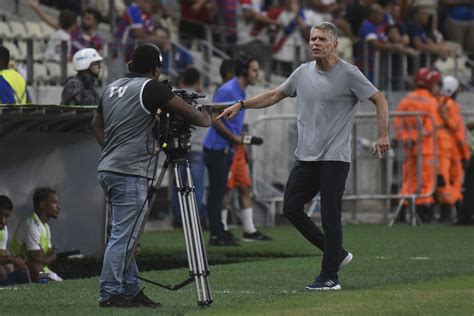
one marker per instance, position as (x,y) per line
(326,27)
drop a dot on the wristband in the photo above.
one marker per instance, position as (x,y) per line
(242,105)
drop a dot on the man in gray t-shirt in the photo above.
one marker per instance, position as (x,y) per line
(327,90)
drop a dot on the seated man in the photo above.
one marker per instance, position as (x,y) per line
(13,269)
(33,237)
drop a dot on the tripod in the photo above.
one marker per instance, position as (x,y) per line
(197,257)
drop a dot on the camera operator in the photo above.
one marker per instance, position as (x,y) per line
(123,125)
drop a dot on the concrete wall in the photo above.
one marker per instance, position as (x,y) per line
(67,163)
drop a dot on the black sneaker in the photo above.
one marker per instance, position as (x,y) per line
(222,242)
(141,300)
(321,284)
(229,236)
(118,301)
(257,236)
(345,260)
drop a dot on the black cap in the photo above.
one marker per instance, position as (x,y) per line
(145,58)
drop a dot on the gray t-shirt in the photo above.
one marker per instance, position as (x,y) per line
(326,107)
(128,106)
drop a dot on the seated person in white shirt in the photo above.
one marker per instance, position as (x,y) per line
(13,270)
(33,237)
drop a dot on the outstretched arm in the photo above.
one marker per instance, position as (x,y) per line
(383,142)
(48,19)
(262,100)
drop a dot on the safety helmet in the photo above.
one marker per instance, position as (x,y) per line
(426,78)
(83,58)
(450,85)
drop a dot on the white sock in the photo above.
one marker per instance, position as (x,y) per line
(224,218)
(246,216)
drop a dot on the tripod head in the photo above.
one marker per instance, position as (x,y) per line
(172,131)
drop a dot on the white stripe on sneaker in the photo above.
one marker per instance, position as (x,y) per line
(346,261)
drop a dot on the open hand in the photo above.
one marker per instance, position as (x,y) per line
(381,146)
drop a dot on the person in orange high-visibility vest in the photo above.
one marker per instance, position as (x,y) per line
(450,110)
(446,121)
(416,134)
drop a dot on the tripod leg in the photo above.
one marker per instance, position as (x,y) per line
(197,258)
(198,239)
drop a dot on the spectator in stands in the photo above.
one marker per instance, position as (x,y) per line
(12,84)
(135,25)
(467,215)
(32,238)
(356,13)
(295,22)
(104,8)
(425,38)
(239,178)
(13,269)
(81,89)
(64,26)
(328,90)
(86,35)
(175,60)
(460,24)
(219,145)
(407,128)
(431,6)
(227,19)
(334,11)
(195,16)
(191,81)
(252,35)
(373,37)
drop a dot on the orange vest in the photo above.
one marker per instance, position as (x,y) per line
(407,127)
(450,110)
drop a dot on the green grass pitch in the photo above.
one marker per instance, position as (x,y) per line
(400,270)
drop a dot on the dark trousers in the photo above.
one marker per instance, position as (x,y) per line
(16,277)
(307,179)
(466,216)
(218,164)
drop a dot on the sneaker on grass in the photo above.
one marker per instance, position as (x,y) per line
(257,236)
(118,301)
(345,260)
(141,300)
(321,284)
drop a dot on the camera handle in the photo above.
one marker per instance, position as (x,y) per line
(197,257)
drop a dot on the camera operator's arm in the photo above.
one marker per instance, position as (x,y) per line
(262,100)
(188,112)
(156,94)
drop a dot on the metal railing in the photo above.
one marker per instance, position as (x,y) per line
(369,179)
(392,70)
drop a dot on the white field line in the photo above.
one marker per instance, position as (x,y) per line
(410,258)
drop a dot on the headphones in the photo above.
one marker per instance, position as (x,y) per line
(242,65)
(145,58)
